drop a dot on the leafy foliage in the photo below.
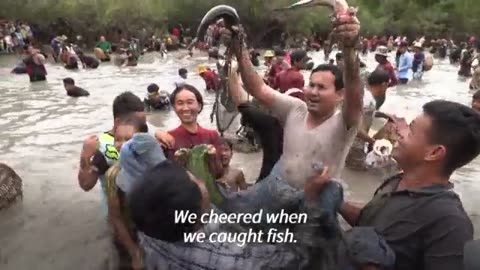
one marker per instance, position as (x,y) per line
(94,17)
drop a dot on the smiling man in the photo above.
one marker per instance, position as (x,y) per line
(417,212)
(315,132)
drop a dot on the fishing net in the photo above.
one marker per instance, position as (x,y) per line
(224,109)
(10,185)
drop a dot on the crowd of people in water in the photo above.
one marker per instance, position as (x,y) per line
(414,220)
(14,35)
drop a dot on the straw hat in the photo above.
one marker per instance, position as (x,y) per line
(382,50)
(269,53)
(202,69)
(417,45)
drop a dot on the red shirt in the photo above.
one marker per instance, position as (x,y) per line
(274,70)
(211,79)
(176,32)
(186,139)
(391,72)
(288,79)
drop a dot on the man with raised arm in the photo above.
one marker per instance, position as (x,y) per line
(315,132)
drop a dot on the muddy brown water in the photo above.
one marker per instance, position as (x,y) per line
(58,226)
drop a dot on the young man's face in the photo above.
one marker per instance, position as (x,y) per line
(226,154)
(476,104)
(414,144)
(183,75)
(320,95)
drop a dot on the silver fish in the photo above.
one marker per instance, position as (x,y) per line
(227,13)
(10,185)
(339,6)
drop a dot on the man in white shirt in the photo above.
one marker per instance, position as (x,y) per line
(182,77)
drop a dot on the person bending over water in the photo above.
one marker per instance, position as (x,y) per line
(88,61)
(188,103)
(233,179)
(72,90)
(211,78)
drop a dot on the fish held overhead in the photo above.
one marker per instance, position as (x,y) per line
(227,13)
(339,7)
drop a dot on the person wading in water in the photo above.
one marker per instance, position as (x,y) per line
(35,65)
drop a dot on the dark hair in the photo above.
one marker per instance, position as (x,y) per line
(339,56)
(337,73)
(134,120)
(227,142)
(297,56)
(457,127)
(378,76)
(152,88)
(476,95)
(165,188)
(280,52)
(182,71)
(126,103)
(69,81)
(190,88)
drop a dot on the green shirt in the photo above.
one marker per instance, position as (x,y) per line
(105,46)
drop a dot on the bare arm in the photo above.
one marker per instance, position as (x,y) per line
(121,231)
(362,135)
(238,94)
(254,84)
(87,176)
(353,103)
(350,213)
(379,114)
(242,184)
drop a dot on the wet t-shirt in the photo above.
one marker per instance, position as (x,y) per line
(327,144)
(78,92)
